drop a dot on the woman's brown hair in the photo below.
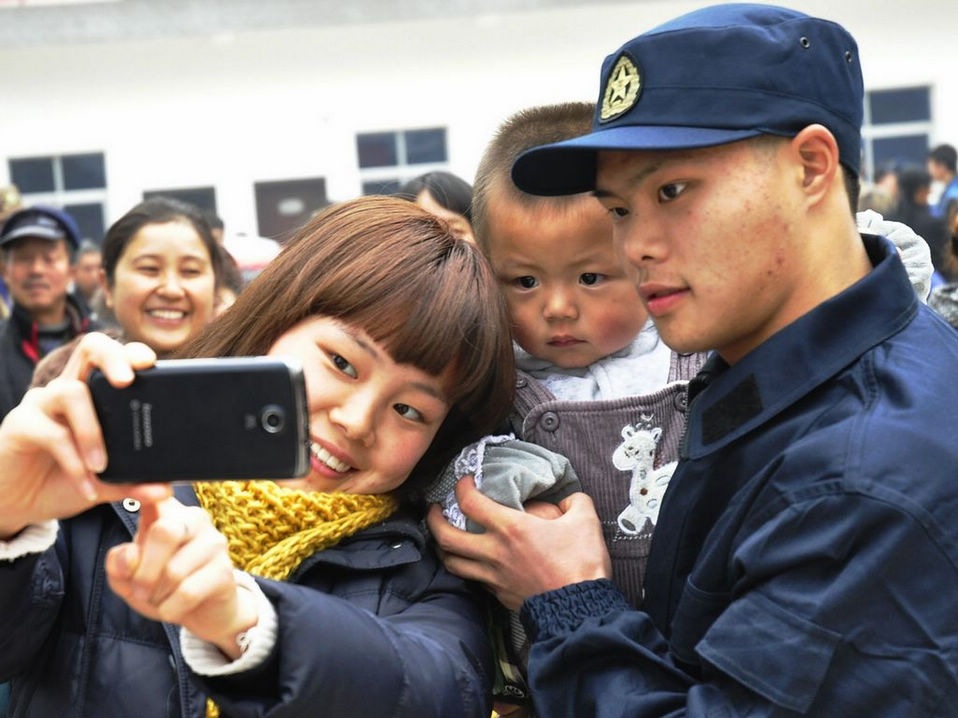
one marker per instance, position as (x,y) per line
(394,270)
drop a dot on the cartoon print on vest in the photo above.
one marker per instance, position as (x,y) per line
(636,453)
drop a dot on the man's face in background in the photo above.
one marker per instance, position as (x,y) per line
(86,274)
(37,273)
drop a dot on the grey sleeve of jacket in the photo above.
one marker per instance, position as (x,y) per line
(914,251)
(509,472)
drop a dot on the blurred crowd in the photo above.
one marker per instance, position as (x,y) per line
(926,199)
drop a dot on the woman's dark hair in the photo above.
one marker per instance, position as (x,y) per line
(157,210)
(230,275)
(910,179)
(449,190)
(394,270)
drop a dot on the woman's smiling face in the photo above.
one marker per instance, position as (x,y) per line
(371,419)
(163,286)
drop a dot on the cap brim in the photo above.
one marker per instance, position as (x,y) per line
(568,167)
(33,231)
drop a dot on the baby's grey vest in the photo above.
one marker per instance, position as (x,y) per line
(623,451)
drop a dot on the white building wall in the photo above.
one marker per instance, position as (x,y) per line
(231,110)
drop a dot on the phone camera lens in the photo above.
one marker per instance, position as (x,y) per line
(273,419)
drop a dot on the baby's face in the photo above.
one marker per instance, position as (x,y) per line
(570,296)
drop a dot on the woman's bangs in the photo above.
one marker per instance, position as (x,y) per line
(422,327)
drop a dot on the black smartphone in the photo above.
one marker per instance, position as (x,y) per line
(205,419)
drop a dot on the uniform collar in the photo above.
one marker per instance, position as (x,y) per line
(728,402)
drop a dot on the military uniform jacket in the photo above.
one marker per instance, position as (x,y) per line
(806,556)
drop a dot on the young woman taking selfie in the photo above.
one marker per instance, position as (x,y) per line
(268,598)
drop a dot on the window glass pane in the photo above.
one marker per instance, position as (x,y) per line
(377,149)
(905,104)
(32,174)
(83,171)
(282,206)
(425,146)
(89,218)
(202,197)
(383,186)
(900,151)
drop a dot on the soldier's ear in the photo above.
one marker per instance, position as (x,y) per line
(816,152)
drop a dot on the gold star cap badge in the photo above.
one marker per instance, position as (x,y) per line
(621,89)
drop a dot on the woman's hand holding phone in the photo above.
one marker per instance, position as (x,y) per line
(177,570)
(51,446)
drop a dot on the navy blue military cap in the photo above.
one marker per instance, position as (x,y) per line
(43,222)
(716,75)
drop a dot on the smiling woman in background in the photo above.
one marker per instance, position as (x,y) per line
(160,266)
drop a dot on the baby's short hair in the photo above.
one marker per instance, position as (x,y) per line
(525,129)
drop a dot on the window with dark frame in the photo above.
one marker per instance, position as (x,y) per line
(83,171)
(202,197)
(897,128)
(283,206)
(389,159)
(32,175)
(74,182)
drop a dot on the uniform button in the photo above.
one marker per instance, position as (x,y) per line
(131,505)
(681,401)
(520,382)
(397,544)
(549,421)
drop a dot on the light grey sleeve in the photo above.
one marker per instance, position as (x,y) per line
(510,472)
(914,250)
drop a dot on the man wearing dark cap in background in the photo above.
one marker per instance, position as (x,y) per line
(37,245)
(806,556)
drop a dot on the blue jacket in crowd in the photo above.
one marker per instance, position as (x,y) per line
(805,560)
(388,633)
(948,195)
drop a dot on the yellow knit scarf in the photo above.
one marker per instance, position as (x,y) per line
(270,530)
